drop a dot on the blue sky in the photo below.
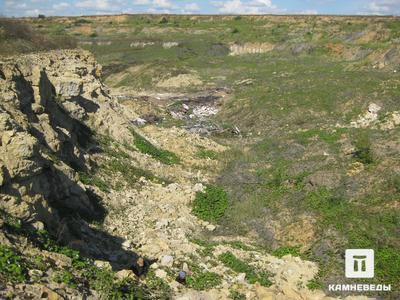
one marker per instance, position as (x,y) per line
(92,7)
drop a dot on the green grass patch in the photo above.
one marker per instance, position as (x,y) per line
(211,204)
(144,146)
(200,280)
(387,265)
(207,154)
(11,265)
(65,277)
(315,284)
(239,266)
(129,173)
(90,179)
(282,251)
(330,137)
(82,270)
(155,283)
(235,295)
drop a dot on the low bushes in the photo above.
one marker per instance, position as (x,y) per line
(211,204)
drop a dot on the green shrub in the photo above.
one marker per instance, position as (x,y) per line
(239,266)
(363,151)
(280,252)
(158,286)
(103,281)
(211,204)
(235,295)
(203,280)
(43,239)
(65,277)
(146,147)
(11,265)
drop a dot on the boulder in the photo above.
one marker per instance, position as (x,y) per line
(125,274)
(160,273)
(103,264)
(167,261)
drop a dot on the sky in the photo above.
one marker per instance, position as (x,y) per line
(20,8)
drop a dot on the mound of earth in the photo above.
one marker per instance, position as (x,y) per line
(180,81)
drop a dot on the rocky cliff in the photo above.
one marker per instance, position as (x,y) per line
(51,106)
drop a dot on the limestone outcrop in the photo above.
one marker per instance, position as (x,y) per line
(50,107)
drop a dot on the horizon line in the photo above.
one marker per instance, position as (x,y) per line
(205,15)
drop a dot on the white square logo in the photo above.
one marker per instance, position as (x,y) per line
(359,263)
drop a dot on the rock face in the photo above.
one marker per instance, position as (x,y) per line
(49,106)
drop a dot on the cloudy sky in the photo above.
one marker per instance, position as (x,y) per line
(91,7)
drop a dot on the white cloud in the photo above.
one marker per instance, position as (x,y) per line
(60,6)
(192,7)
(162,4)
(21,6)
(247,7)
(307,12)
(267,3)
(9,3)
(141,2)
(383,7)
(95,4)
(32,12)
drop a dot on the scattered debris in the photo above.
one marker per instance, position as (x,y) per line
(250,48)
(169,45)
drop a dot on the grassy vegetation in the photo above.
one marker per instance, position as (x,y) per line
(207,154)
(129,173)
(119,166)
(82,270)
(293,119)
(211,204)
(378,233)
(18,36)
(65,277)
(203,280)
(11,265)
(363,151)
(144,146)
(289,109)
(282,251)
(89,179)
(235,295)
(252,275)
